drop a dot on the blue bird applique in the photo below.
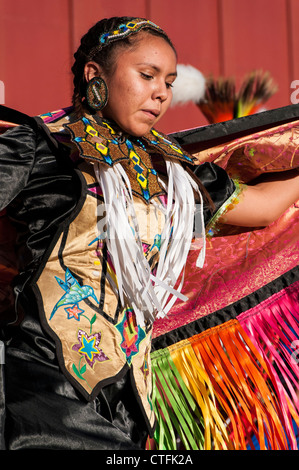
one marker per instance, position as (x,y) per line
(74,293)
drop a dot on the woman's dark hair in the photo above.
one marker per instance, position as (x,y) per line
(105,57)
(89,50)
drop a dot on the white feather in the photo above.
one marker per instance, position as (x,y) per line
(188,86)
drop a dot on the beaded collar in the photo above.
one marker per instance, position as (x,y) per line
(101,141)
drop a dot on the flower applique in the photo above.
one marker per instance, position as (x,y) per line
(90,352)
(89,348)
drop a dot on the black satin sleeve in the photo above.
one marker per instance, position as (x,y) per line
(217,183)
(39,189)
(17,154)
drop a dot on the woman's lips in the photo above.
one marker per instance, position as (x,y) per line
(152,113)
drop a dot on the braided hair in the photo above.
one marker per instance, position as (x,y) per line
(89,50)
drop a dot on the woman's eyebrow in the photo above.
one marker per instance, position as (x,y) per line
(155,67)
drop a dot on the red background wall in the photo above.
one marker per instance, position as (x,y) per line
(223,37)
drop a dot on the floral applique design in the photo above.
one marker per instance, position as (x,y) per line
(90,352)
(74,312)
(132,335)
(89,348)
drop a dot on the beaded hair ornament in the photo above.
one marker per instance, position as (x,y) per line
(126,29)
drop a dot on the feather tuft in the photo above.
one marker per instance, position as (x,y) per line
(188,86)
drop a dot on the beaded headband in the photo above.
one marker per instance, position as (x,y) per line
(126,29)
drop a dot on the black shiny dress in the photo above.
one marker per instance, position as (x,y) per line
(47,195)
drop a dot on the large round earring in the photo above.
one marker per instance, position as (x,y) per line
(97,93)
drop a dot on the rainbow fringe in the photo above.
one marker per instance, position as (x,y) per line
(234,384)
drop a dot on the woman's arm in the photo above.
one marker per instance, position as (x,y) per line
(265,201)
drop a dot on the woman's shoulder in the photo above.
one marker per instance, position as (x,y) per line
(54,121)
(15,124)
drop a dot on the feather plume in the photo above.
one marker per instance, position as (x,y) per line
(223,102)
(188,86)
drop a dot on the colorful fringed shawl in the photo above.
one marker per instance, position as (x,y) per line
(225,363)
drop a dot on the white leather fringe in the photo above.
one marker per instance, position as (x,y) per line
(150,296)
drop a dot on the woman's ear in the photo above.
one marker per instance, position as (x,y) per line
(91,70)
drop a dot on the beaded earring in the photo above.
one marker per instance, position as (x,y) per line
(97,93)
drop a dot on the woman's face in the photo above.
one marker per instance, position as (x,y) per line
(140,85)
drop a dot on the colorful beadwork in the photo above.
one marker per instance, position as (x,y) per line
(168,147)
(231,202)
(89,349)
(97,93)
(131,334)
(99,141)
(126,29)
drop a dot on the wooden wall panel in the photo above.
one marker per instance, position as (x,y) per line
(193,27)
(255,36)
(35,51)
(293,29)
(86,14)
(223,37)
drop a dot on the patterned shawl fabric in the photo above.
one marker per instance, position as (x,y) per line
(225,362)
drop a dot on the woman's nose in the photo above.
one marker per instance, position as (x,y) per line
(161,92)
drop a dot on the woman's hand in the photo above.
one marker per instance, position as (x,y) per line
(265,200)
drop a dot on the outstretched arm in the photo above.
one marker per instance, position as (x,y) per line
(265,201)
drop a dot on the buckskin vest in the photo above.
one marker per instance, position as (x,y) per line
(97,338)
(65,258)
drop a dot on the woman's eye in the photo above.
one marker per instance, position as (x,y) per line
(146,76)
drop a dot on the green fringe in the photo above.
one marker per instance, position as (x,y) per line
(178,417)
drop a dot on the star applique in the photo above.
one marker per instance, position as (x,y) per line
(74,312)
(88,346)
